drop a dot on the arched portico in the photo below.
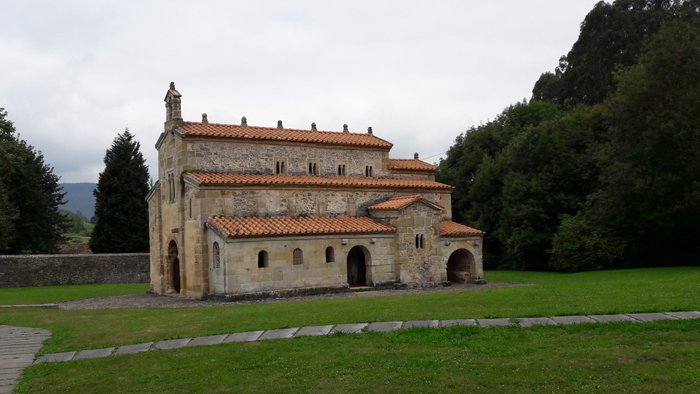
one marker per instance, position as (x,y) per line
(358,260)
(173,284)
(461,267)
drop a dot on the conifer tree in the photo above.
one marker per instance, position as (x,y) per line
(120,200)
(30,221)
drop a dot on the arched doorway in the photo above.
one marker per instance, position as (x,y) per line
(174,265)
(357,266)
(460,266)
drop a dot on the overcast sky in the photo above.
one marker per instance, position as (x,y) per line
(73,74)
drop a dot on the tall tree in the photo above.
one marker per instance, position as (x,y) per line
(611,38)
(650,186)
(33,193)
(120,200)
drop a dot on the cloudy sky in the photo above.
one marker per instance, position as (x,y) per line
(73,74)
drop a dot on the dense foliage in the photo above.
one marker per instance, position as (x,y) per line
(30,197)
(606,172)
(120,200)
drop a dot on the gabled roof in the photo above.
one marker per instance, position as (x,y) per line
(451,229)
(235,179)
(232,227)
(216,130)
(411,165)
(398,203)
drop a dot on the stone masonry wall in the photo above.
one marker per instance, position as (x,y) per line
(239,272)
(73,269)
(237,156)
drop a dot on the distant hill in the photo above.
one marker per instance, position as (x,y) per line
(79,198)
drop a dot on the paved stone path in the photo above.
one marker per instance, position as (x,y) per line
(357,328)
(18,345)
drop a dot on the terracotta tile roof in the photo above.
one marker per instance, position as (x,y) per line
(451,229)
(281,226)
(411,165)
(402,202)
(216,130)
(233,179)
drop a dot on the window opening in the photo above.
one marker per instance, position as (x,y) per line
(216,254)
(262,259)
(330,255)
(298,256)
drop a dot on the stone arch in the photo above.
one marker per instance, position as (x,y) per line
(173,268)
(357,263)
(461,267)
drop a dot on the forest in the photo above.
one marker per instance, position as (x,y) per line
(601,167)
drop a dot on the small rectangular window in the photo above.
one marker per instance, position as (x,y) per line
(368,171)
(280,167)
(341,170)
(313,168)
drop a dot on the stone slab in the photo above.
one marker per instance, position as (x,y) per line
(282,333)
(497,322)
(572,319)
(421,324)
(313,331)
(94,353)
(208,340)
(349,328)
(55,357)
(458,322)
(172,343)
(647,317)
(535,321)
(249,336)
(133,349)
(685,315)
(610,318)
(385,326)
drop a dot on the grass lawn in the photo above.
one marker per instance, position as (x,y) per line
(639,290)
(615,357)
(52,294)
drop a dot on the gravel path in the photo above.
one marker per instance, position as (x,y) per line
(170,301)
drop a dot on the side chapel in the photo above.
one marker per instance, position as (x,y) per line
(241,209)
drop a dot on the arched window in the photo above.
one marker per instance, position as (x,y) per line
(216,255)
(330,255)
(298,257)
(262,259)
(420,241)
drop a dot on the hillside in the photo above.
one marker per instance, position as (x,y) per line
(79,197)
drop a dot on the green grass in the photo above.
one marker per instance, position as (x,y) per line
(52,294)
(616,357)
(639,290)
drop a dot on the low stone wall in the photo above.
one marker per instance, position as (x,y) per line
(73,269)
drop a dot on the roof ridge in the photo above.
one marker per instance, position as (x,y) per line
(283,129)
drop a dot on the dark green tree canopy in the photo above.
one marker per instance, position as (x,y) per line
(30,197)
(120,200)
(602,168)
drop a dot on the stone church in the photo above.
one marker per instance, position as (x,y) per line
(240,210)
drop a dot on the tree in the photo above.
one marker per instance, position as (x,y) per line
(650,185)
(611,38)
(33,193)
(120,200)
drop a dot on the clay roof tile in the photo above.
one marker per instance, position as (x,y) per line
(235,179)
(217,130)
(233,227)
(451,229)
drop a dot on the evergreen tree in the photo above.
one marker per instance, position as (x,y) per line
(611,38)
(120,200)
(650,185)
(33,223)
